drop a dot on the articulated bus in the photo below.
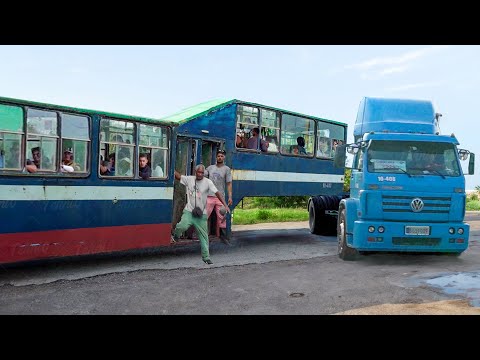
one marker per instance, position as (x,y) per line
(70,184)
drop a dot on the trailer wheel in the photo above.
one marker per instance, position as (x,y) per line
(319,222)
(344,251)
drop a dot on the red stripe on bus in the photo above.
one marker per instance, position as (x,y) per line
(56,243)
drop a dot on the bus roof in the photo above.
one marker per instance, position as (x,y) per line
(177,118)
(13,101)
(198,110)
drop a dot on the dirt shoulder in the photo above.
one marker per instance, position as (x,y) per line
(446,307)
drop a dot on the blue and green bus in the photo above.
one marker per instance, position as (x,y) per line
(103,205)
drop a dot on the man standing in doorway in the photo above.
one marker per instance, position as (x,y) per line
(219,173)
(197,190)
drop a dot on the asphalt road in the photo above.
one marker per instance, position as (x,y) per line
(274,269)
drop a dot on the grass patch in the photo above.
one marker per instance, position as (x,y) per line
(255,216)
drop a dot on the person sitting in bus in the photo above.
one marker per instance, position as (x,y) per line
(336,143)
(144,170)
(107,168)
(253,141)
(239,141)
(324,147)
(33,166)
(301,146)
(68,165)
(294,150)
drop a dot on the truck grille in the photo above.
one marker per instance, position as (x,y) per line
(432,204)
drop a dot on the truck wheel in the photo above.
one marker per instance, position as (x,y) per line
(313,221)
(344,252)
(320,223)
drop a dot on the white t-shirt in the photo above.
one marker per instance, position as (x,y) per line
(197,191)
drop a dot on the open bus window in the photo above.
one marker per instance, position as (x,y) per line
(298,135)
(270,131)
(117,142)
(154,143)
(75,142)
(42,140)
(247,120)
(329,136)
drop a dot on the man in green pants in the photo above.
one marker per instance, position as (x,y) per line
(198,188)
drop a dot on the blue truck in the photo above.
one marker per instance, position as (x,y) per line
(407,187)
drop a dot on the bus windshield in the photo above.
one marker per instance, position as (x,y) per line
(413,158)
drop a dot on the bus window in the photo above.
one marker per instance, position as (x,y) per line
(117,138)
(270,129)
(42,140)
(75,142)
(11,135)
(298,135)
(329,136)
(154,143)
(247,120)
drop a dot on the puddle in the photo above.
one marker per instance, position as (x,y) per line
(466,284)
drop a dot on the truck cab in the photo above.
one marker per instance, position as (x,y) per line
(407,188)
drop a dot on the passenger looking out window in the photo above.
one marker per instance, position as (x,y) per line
(144,170)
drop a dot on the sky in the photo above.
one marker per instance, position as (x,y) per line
(327,81)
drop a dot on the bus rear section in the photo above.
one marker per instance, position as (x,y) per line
(57,197)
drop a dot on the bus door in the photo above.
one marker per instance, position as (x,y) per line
(185,160)
(190,152)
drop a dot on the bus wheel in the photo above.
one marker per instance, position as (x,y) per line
(344,252)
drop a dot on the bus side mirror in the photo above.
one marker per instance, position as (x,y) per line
(339,159)
(471,164)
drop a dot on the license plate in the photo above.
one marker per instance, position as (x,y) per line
(417,230)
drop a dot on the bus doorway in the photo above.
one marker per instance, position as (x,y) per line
(190,152)
(185,162)
(209,152)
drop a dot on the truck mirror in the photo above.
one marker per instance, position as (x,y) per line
(463,154)
(339,159)
(352,149)
(471,164)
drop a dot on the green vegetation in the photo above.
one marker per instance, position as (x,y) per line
(255,216)
(473,202)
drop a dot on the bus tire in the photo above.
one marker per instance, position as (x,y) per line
(344,251)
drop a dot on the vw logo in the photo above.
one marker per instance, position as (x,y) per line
(417,205)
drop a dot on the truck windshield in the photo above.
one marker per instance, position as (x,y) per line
(413,158)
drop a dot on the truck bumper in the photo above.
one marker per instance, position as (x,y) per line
(394,237)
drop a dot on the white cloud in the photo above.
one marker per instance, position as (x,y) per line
(393,69)
(386,65)
(414,86)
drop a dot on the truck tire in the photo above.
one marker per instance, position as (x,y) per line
(319,223)
(344,251)
(313,221)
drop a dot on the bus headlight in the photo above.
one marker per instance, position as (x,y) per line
(460,231)
(451,231)
(371,229)
(381,229)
